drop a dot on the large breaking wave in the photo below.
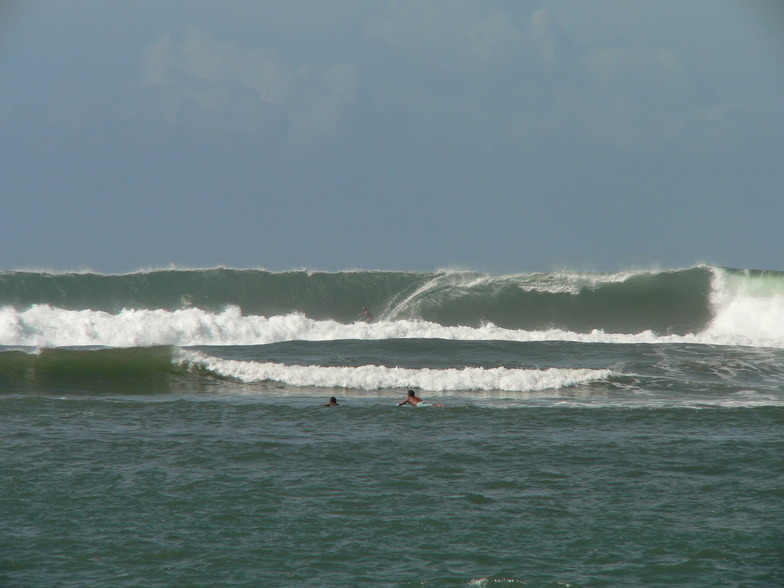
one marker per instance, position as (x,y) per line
(241,307)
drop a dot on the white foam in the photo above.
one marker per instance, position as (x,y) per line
(748,308)
(742,321)
(374,377)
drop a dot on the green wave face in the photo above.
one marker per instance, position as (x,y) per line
(664,302)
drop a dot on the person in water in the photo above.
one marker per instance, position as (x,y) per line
(415,400)
(365,315)
(332,402)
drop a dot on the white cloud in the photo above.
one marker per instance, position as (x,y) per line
(447,36)
(617,94)
(201,57)
(634,70)
(480,69)
(214,76)
(541,35)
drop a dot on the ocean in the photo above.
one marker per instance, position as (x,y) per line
(168,428)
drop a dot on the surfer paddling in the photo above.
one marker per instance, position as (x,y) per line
(332,402)
(415,400)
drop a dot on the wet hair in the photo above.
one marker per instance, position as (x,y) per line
(333,399)
(411,393)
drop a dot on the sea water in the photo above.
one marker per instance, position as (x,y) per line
(167,428)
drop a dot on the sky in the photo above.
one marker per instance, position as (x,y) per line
(496,136)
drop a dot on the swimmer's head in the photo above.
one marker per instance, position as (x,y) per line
(411,393)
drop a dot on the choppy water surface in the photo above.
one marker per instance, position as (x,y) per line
(167,429)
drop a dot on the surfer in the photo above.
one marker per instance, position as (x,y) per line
(332,402)
(365,315)
(415,400)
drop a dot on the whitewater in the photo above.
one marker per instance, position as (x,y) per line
(213,322)
(169,427)
(744,309)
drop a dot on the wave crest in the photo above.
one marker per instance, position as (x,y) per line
(239,307)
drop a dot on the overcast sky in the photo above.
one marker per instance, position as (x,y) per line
(510,136)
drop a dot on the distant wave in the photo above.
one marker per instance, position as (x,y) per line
(239,307)
(144,370)
(374,377)
(157,369)
(737,380)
